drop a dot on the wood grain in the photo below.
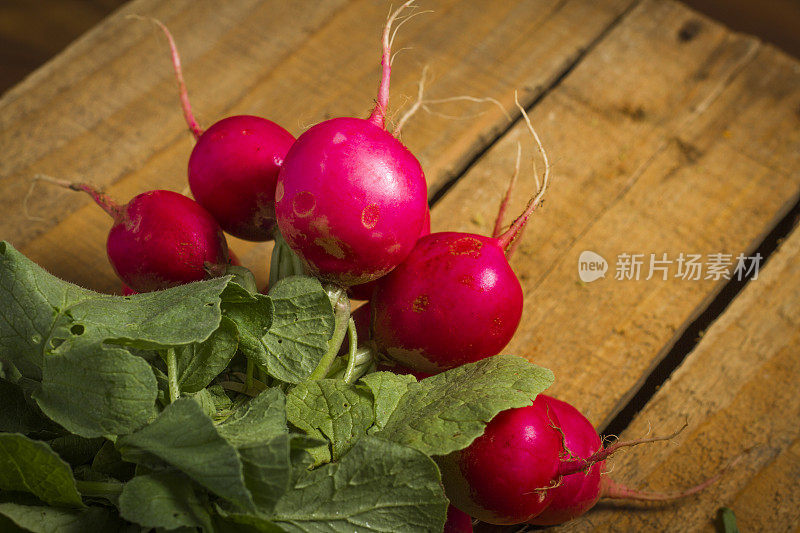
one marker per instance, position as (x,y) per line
(659,146)
(739,390)
(106,109)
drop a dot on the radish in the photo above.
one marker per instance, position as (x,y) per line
(455,298)
(234,165)
(583,478)
(159,239)
(541,465)
(364,291)
(351,200)
(503,476)
(457,521)
(232,260)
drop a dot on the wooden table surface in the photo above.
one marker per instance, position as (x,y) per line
(668,134)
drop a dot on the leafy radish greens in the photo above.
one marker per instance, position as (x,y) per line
(194,407)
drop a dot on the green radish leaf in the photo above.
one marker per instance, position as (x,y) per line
(206,402)
(387,389)
(341,412)
(94,390)
(31,466)
(163,500)
(377,486)
(200,363)
(261,418)
(108,461)
(252,319)
(446,412)
(259,433)
(39,311)
(233,522)
(302,323)
(18,413)
(184,437)
(153,320)
(76,450)
(242,286)
(37,518)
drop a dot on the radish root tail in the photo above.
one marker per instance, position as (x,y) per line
(612,490)
(517,227)
(26,208)
(195,128)
(571,467)
(378,115)
(108,204)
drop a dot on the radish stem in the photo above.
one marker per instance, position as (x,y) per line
(378,115)
(351,356)
(172,375)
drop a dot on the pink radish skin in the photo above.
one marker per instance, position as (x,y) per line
(233,170)
(234,165)
(454,300)
(457,521)
(161,239)
(500,476)
(579,492)
(351,199)
(232,260)
(364,291)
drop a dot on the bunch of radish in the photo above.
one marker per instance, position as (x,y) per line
(350,201)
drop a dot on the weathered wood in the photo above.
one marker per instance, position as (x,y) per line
(659,145)
(739,390)
(106,109)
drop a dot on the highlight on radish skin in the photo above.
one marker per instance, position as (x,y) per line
(351,200)
(159,239)
(233,168)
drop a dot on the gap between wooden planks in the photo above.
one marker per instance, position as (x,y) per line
(738,389)
(117,123)
(660,144)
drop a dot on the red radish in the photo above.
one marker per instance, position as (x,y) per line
(234,165)
(503,476)
(127,291)
(159,239)
(455,298)
(578,492)
(541,465)
(232,260)
(351,199)
(364,291)
(457,521)
(583,480)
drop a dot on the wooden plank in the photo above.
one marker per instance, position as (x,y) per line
(738,389)
(106,109)
(660,145)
